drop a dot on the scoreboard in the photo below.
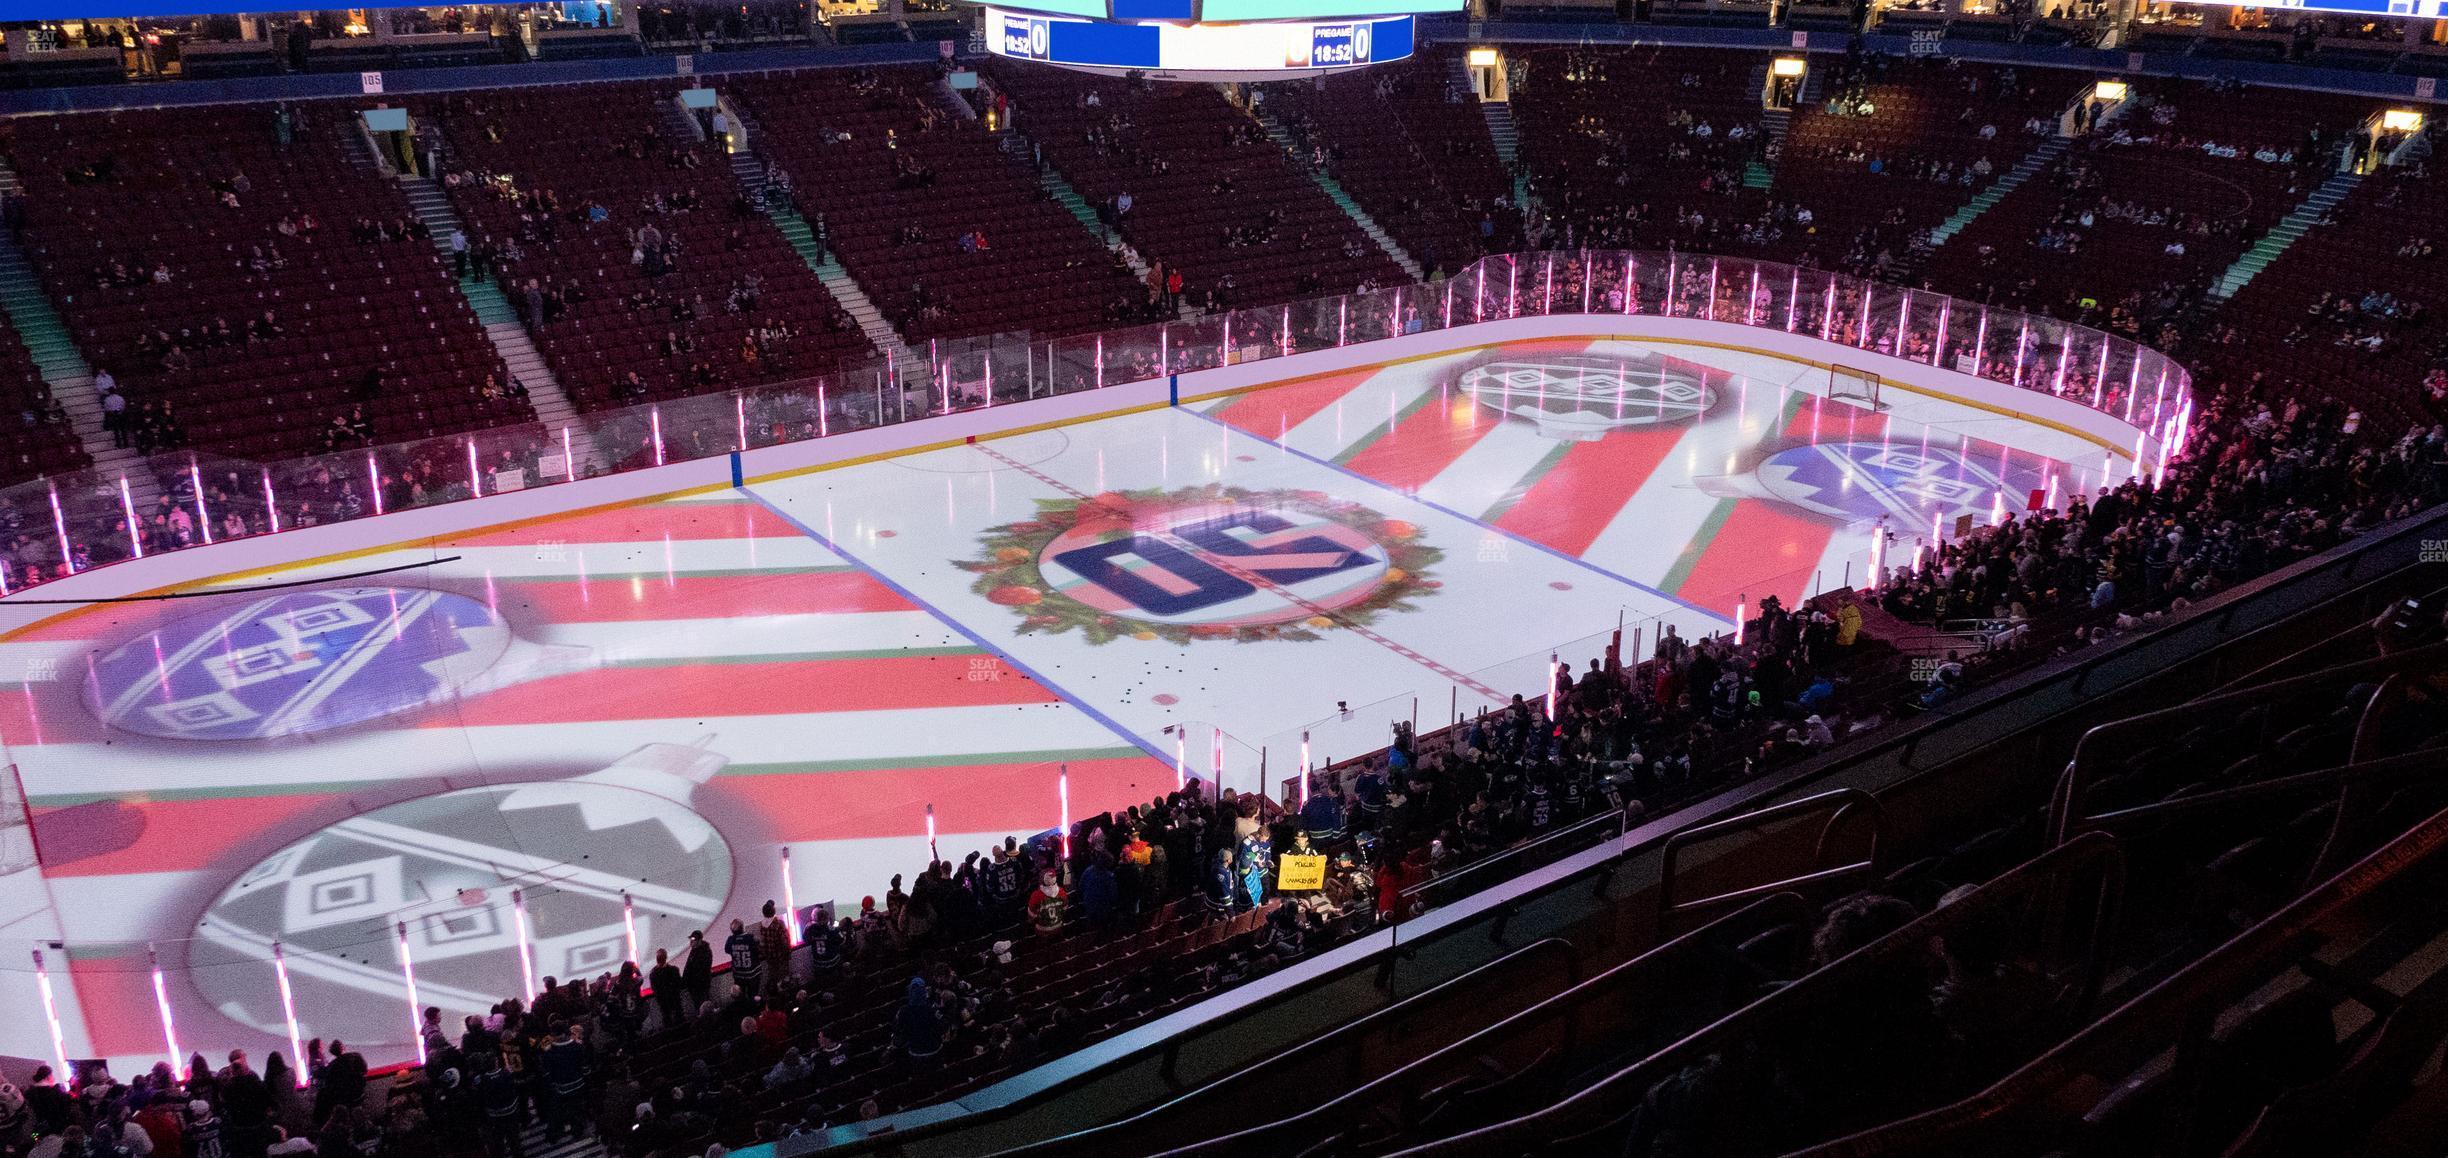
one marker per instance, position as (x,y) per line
(1201,40)
(1234,11)
(1238,51)
(2425,9)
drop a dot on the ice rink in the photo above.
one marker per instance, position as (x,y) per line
(588,735)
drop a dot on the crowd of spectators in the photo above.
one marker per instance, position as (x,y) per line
(701,22)
(760,1032)
(2266,482)
(944,983)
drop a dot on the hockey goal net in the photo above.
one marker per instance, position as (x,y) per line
(1858,387)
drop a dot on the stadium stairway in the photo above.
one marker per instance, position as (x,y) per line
(1334,191)
(532,1141)
(2032,163)
(1507,140)
(1059,188)
(682,123)
(1775,123)
(909,365)
(62,367)
(2284,234)
(493,311)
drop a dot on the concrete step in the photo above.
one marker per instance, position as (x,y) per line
(532,1139)
(907,362)
(2041,156)
(1351,208)
(1056,186)
(2269,247)
(63,368)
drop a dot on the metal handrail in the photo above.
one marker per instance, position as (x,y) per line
(1835,803)
(1612,816)
(2216,977)
(1785,906)
(2090,750)
(1601,1098)
(1102,1139)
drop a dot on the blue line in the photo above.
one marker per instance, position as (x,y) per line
(1162,757)
(1441,508)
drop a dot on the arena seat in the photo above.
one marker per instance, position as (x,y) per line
(2309,1032)
(40,442)
(621,148)
(881,151)
(1408,142)
(113,197)
(1925,125)
(1611,140)
(2169,831)
(1211,196)
(2303,323)
(2168,215)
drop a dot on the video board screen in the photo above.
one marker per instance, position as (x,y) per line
(1239,11)
(1227,11)
(1288,48)
(1091,9)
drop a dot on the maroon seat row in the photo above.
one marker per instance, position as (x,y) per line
(1211,196)
(616,161)
(899,177)
(165,228)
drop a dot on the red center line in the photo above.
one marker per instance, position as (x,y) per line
(1258,580)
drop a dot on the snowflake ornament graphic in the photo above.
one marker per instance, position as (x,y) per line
(487,890)
(1583,397)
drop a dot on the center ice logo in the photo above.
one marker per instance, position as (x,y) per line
(1203,563)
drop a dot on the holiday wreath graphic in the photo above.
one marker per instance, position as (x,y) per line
(1206,562)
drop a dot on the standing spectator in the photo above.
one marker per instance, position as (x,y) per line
(664,979)
(436,1040)
(774,947)
(1045,906)
(918,1028)
(497,1094)
(160,1119)
(827,944)
(203,1136)
(1098,891)
(47,1103)
(343,1082)
(115,417)
(697,971)
(746,967)
(564,1070)
(246,1107)
(1006,881)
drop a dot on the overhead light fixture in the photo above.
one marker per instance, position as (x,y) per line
(2401,121)
(2110,91)
(1788,66)
(1482,58)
